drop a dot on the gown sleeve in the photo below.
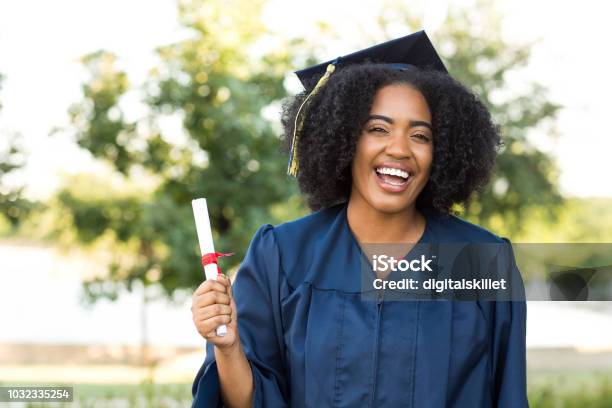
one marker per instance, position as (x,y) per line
(257,293)
(509,346)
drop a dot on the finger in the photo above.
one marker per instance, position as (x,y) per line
(230,291)
(209,285)
(224,280)
(218,286)
(234,314)
(214,322)
(213,310)
(204,287)
(210,298)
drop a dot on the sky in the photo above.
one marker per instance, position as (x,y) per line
(41,42)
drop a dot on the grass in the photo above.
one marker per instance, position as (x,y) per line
(546,389)
(584,389)
(122,395)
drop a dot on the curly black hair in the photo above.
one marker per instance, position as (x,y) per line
(466,141)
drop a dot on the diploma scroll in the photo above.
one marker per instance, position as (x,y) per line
(202,221)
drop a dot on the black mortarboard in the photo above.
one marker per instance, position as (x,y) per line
(414,50)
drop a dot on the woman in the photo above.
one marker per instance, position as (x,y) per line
(383,152)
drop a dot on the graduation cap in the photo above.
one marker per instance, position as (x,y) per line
(414,50)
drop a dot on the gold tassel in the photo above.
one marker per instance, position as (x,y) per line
(293,165)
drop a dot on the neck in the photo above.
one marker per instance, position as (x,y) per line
(370,225)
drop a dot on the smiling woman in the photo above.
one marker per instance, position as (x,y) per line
(382,149)
(423,104)
(395,149)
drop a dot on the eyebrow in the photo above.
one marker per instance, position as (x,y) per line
(412,123)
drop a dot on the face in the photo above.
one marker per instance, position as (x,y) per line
(395,150)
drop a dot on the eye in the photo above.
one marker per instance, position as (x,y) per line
(422,137)
(377,130)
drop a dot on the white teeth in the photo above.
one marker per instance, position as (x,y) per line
(393,183)
(393,172)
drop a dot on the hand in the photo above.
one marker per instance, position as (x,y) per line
(213,305)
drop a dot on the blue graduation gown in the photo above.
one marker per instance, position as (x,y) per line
(312,341)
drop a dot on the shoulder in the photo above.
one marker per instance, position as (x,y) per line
(296,232)
(295,244)
(452,228)
(299,233)
(305,237)
(304,228)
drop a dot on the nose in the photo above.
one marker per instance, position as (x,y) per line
(398,146)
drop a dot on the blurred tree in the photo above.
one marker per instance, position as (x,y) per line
(525,177)
(474,51)
(215,85)
(13,207)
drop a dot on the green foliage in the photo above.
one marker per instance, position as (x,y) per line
(525,177)
(217,85)
(579,220)
(474,51)
(101,126)
(555,391)
(569,389)
(13,207)
(144,395)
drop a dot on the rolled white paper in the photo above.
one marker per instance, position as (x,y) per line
(202,221)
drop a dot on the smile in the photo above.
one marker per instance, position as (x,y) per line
(393,180)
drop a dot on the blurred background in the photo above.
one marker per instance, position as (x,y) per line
(115,114)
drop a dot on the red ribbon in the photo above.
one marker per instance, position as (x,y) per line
(211,258)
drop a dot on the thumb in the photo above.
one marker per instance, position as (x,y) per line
(234,315)
(231,297)
(230,293)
